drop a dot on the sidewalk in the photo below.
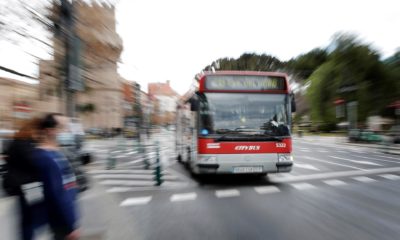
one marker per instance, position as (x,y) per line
(101,217)
(8,218)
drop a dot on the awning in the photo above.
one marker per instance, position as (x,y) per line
(395,104)
(338,101)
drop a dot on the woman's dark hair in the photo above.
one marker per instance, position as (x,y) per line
(49,121)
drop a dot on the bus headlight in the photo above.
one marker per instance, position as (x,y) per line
(285,157)
(212,159)
(209,159)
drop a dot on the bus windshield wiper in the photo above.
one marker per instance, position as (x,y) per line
(225,131)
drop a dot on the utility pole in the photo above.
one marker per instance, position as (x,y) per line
(73,81)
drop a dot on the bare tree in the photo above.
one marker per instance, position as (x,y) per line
(28,26)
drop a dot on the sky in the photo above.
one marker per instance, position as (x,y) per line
(175,39)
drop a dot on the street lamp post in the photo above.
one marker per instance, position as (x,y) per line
(73,81)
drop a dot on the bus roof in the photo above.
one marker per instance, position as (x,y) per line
(248,73)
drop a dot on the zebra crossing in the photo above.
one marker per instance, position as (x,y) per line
(126,180)
(263,190)
(124,165)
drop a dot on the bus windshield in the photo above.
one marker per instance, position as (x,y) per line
(231,114)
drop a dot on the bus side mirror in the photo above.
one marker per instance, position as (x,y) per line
(293,102)
(194,104)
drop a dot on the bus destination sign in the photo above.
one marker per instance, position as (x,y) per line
(237,82)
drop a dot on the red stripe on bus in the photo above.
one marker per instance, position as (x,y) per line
(210,146)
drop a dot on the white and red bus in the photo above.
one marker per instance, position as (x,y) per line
(236,122)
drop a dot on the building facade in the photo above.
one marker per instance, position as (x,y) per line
(167,99)
(18,102)
(101,104)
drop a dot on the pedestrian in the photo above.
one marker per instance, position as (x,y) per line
(21,172)
(56,175)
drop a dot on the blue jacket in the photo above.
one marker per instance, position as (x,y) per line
(59,188)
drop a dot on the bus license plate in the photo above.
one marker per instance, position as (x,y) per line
(257,169)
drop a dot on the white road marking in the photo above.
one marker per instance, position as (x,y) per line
(332,175)
(356,161)
(136,201)
(136,161)
(227,193)
(121,171)
(183,197)
(334,163)
(303,186)
(306,166)
(164,186)
(364,179)
(266,189)
(382,160)
(304,150)
(131,176)
(99,150)
(321,150)
(341,151)
(126,183)
(387,157)
(335,182)
(390,176)
(118,189)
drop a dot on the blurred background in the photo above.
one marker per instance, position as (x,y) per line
(63,57)
(118,69)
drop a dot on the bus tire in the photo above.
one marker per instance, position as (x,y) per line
(179,158)
(188,160)
(262,175)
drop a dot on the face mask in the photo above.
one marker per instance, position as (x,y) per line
(65,138)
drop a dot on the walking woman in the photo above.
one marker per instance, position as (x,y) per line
(56,175)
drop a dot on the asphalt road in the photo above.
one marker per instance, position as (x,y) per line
(335,191)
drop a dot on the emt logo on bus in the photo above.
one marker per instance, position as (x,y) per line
(247,148)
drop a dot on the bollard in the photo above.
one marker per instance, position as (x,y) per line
(110,161)
(157,170)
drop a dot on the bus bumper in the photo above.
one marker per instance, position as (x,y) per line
(244,163)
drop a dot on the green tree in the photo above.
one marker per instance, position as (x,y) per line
(247,62)
(353,71)
(392,67)
(305,64)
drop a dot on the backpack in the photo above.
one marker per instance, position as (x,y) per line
(18,168)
